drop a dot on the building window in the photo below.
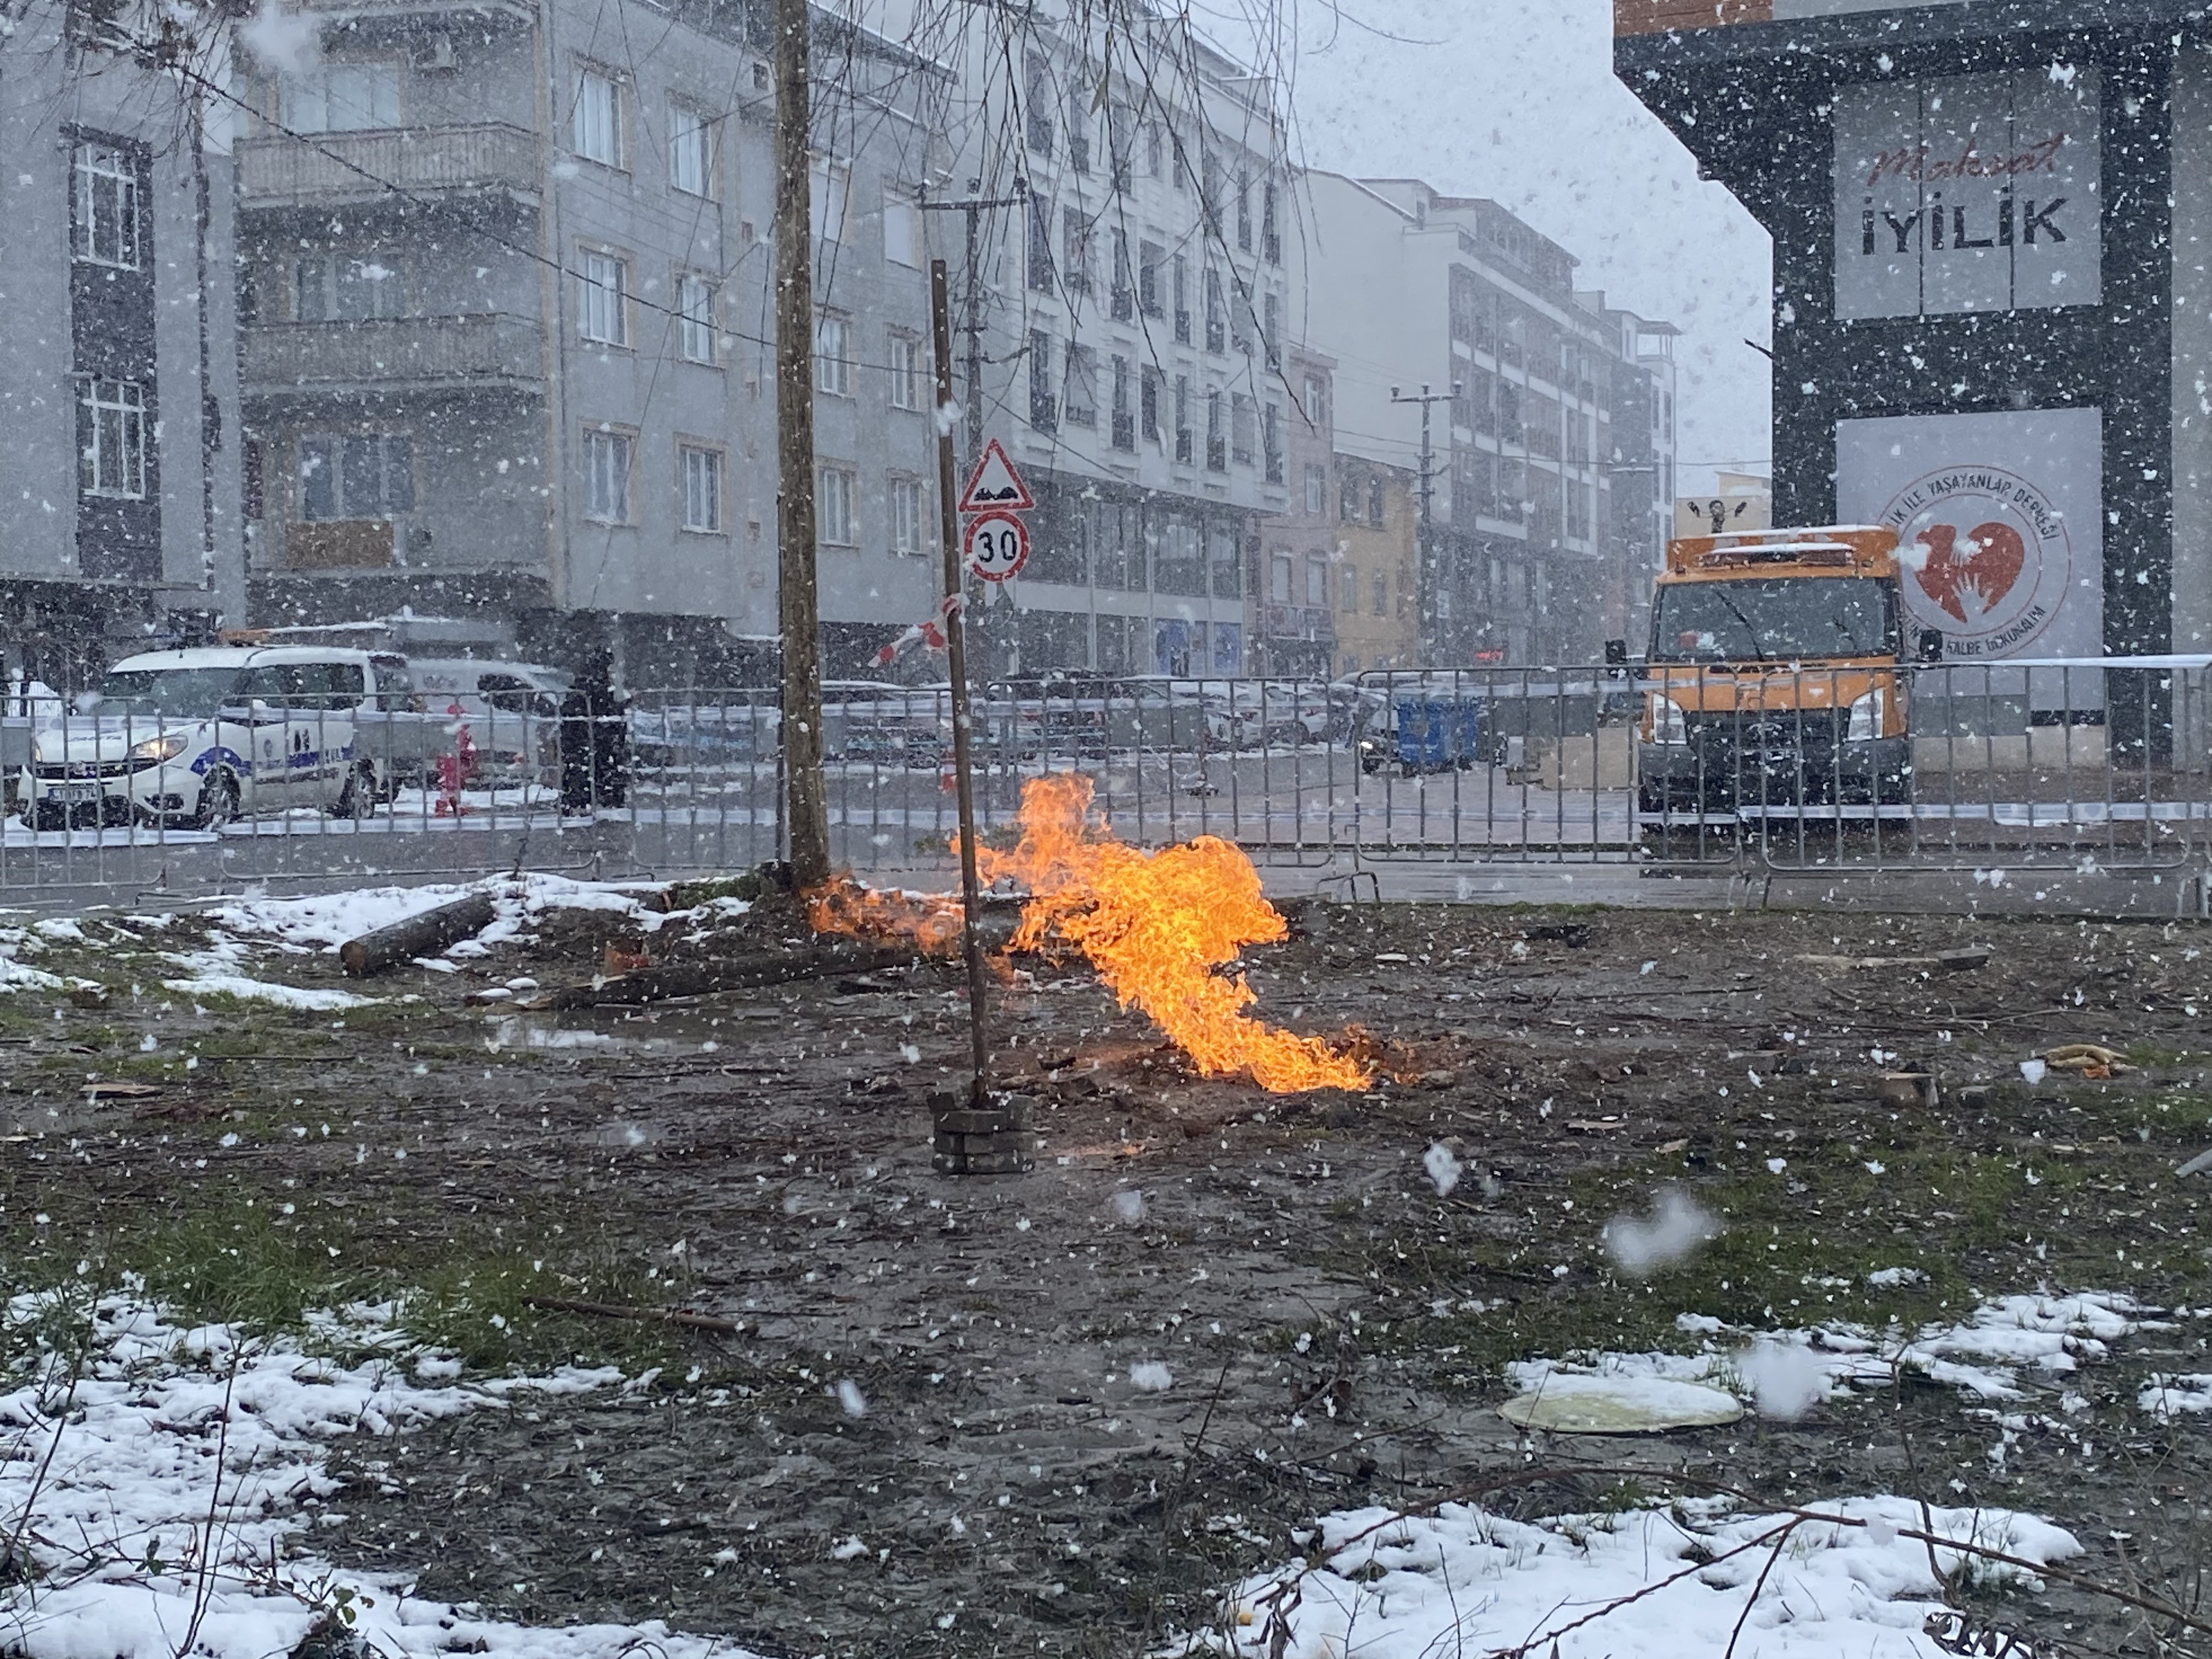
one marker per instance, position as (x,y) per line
(1271,332)
(1347,499)
(835,488)
(1156,149)
(356,475)
(1271,442)
(1044,412)
(690,151)
(1079,122)
(1041,274)
(694,319)
(603,299)
(1183,419)
(1243,429)
(597,120)
(1217,438)
(328,289)
(1316,580)
(1243,214)
(833,358)
(901,227)
(1124,296)
(107,230)
(828,197)
(1075,244)
(1181,301)
(1078,392)
(1217,313)
(1124,435)
(906,372)
(703,489)
(1279,569)
(1381,593)
(342,98)
(1038,113)
(1149,256)
(1148,403)
(1271,236)
(1348,590)
(1316,491)
(1313,401)
(110,437)
(606,474)
(906,516)
(1375,503)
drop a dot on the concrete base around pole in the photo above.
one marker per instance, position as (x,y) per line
(994,1139)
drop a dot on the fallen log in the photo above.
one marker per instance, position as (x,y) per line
(668,981)
(424,934)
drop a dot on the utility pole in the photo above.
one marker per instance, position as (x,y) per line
(975,206)
(800,610)
(1425,554)
(956,657)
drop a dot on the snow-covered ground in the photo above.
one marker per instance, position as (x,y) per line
(1651,1584)
(167,1494)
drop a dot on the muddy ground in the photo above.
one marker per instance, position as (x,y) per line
(1333,1327)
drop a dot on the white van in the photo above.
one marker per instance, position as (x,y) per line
(201,737)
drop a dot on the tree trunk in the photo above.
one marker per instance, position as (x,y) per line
(807,808)
(420,935)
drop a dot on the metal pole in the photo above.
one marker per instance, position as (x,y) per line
(956,653)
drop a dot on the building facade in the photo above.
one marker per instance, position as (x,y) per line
(1992,316)
(1378,515)
(507,338)
(1643,469)
(119,480)
(1412,291)
(1132,329)
(1301,573)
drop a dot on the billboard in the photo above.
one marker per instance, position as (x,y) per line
(1999,522)
(1976,193)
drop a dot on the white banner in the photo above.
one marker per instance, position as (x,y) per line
(1974,193)
(1999,522)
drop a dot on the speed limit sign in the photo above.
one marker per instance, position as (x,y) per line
(997,546)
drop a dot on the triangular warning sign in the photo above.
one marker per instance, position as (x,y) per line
(994,486)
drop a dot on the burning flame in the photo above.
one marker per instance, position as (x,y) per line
(844,906)
(1155,926)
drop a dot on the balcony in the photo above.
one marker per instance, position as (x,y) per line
(381,353)
(341,167)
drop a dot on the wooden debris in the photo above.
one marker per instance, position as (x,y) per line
(2088,1060)
(424,934)
(1943,962)
(673,980)
(647,1315)
(102,1091)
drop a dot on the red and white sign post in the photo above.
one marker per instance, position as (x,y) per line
(996,540)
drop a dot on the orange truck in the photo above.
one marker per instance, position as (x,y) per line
(1774,674)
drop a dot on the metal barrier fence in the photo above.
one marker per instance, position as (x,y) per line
(2083,766)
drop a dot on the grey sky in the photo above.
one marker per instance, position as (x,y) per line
(1516,99)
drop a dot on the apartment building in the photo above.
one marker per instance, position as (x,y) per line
(1302,570)
(507,329)
(1134,326)
(1406,286)
(1377,564)
(1643,468)
(120,479)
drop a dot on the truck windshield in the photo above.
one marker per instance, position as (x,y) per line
(1779,619)
(181,692)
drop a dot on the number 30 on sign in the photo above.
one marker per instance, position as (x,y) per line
(997,546)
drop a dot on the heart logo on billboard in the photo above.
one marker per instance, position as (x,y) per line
(1981,566)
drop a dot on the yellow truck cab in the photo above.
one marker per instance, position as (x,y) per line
(1772,678)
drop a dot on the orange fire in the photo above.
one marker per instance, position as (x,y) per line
(843,906)
(1155,926)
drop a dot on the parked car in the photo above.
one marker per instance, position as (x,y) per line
(204,736)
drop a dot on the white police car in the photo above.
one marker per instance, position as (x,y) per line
(201,737)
